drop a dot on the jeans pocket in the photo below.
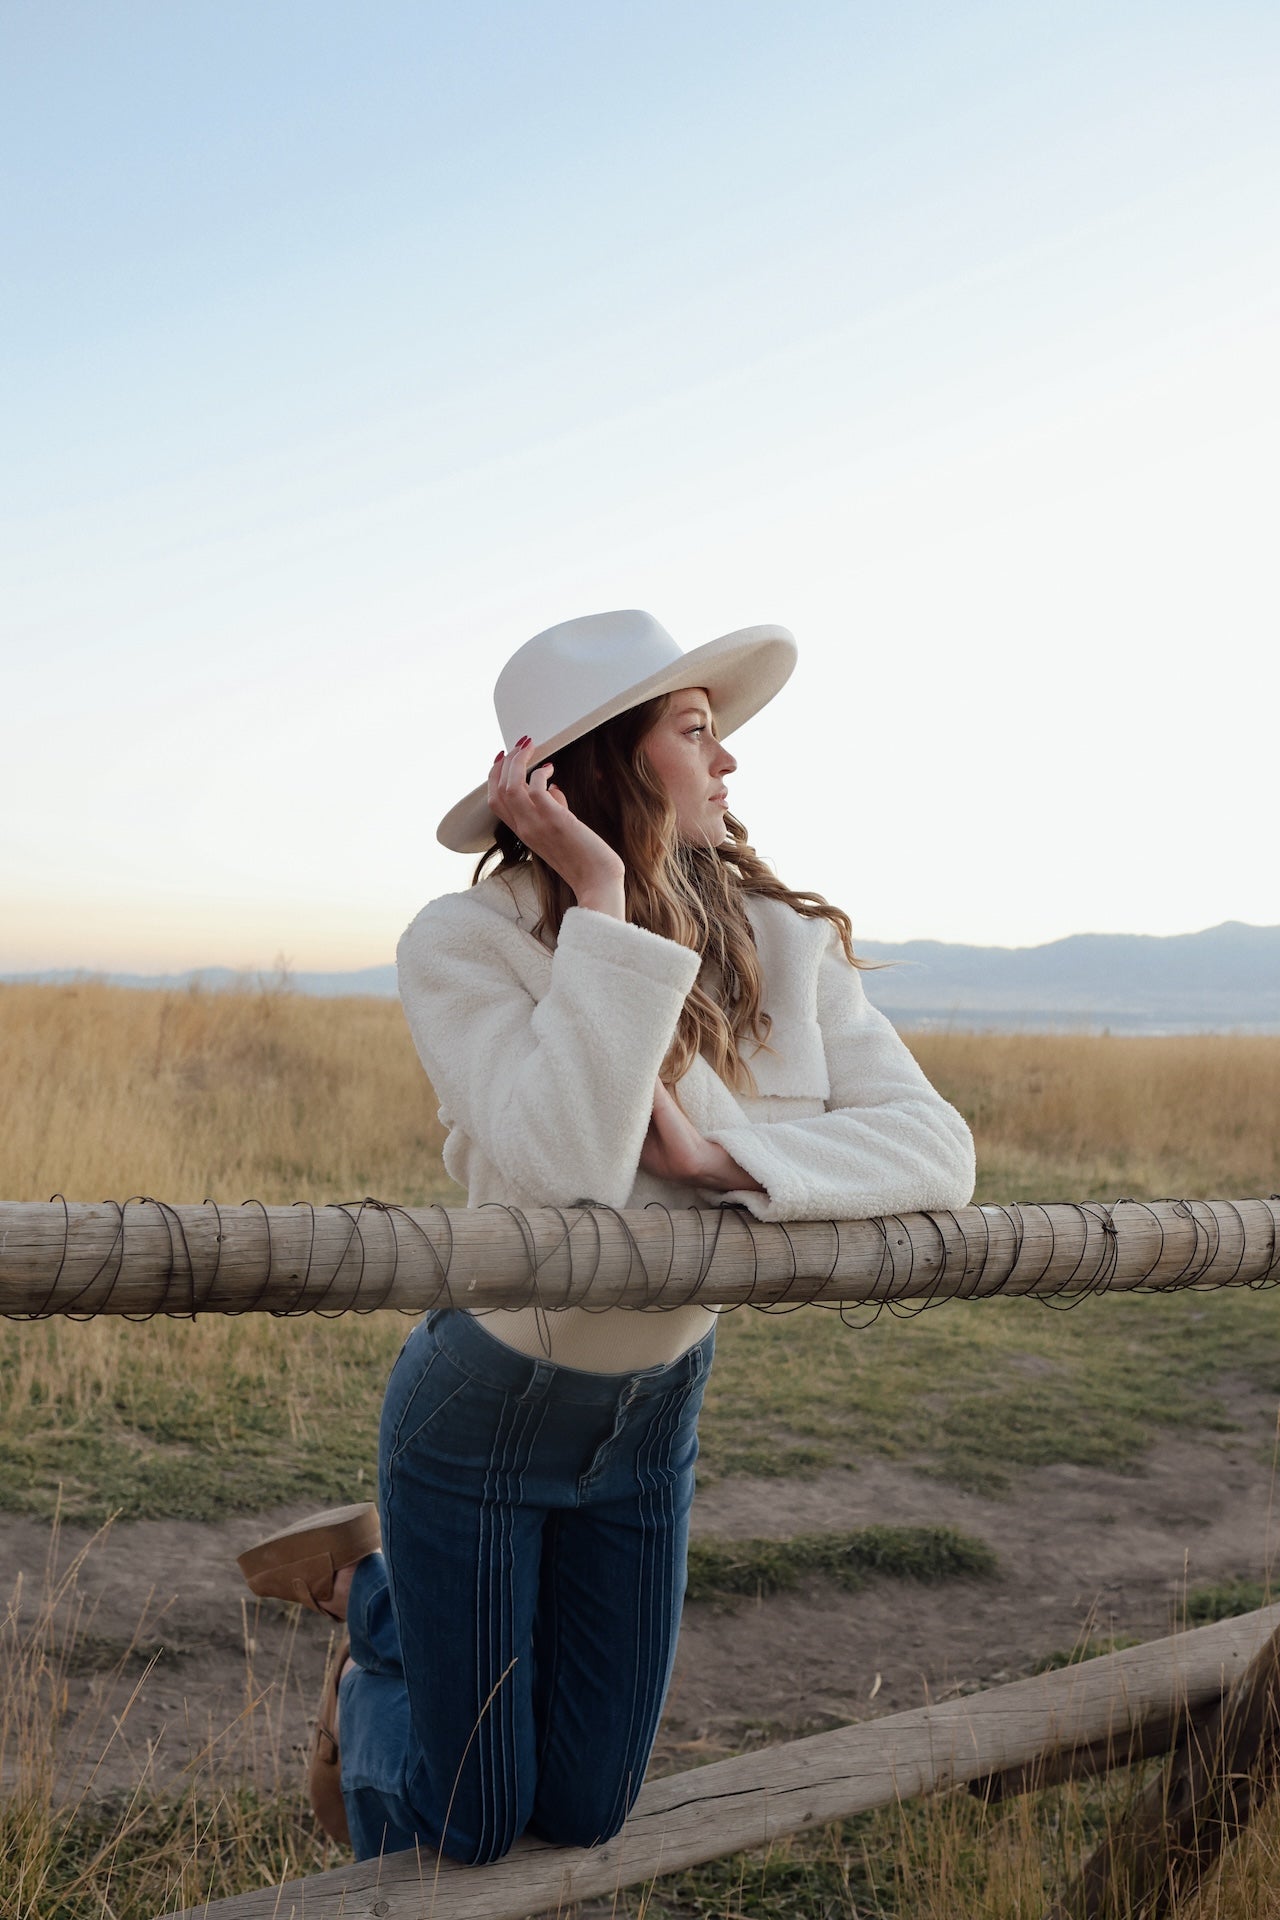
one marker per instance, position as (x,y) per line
(418,1399)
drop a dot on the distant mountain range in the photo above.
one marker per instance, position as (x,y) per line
(1224,978)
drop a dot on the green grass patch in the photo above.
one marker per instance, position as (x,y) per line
(723,1569)
(1225,1600)
(973,1391)
(220,1417)
(196,1421)
(1092,1648)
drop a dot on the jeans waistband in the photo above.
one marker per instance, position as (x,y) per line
(475,1351)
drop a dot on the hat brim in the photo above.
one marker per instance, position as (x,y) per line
(741,672)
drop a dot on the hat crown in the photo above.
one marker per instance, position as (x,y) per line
(583,673)
(576,668)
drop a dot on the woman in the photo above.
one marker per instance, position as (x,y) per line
(627,1007)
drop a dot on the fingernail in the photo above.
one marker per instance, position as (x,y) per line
(497,756)
(525,740)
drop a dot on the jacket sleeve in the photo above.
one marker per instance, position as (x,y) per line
(888,1142)
(555,1092)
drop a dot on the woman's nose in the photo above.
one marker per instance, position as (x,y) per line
(725,762)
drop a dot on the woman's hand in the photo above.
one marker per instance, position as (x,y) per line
(674,1150)
(538,813)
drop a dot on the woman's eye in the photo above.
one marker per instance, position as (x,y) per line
(694,730)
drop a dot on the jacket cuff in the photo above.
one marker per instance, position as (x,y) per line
(599,937)
(745,1145)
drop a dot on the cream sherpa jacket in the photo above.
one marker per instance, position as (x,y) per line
(545,1061)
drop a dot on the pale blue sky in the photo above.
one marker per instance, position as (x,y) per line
(346,348)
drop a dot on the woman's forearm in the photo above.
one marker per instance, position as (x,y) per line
(724,1174)
(605,896)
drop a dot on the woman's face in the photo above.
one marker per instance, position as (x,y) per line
(683,751)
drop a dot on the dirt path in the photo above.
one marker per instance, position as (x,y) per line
(1075,1546)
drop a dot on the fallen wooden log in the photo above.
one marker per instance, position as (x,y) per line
(749,1801)
(145,1256)
(1124,1747)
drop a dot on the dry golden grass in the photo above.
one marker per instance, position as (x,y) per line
(1080,1116)
(111,1091)
(67,1852)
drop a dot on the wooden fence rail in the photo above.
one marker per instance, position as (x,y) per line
(1133,1701)
(145,1256)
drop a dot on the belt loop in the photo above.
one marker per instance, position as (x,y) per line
(543,1375)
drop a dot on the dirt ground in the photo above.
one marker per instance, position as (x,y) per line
(1076,1547)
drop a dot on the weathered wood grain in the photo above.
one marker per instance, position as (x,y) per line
(149,1257)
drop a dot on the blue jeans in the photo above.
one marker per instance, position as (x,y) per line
(514,1640)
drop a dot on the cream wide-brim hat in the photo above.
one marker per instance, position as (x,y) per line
(574,677)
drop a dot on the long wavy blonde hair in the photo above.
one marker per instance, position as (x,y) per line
(692,894)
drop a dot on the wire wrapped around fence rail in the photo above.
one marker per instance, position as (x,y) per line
(142,1257)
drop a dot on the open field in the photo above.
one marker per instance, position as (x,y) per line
(111,1091)
(267,1094)
(1109,1457)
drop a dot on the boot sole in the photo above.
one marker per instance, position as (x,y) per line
(300,1562)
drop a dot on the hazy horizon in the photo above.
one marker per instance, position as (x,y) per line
(282,962)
